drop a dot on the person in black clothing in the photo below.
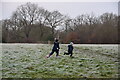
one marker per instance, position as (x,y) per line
(70,50)
(55,48)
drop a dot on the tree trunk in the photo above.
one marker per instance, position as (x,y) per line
(53,31)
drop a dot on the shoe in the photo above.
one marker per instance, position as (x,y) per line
(57,56)
(71,56)
(47,56)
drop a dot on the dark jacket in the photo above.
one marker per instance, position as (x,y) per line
(56,46)
(70,48)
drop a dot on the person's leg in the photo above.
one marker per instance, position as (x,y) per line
(66,53)
(51,53)
(71,54)
(57,53)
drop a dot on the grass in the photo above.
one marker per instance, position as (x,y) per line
(28,61)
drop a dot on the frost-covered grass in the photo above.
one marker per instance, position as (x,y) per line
(28,61)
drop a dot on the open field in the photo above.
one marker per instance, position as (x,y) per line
(28,61)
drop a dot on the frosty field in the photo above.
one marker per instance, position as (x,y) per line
(28,61)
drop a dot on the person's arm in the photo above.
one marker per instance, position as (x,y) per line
(72,47)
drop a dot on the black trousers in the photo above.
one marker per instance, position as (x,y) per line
(57,52)
(69,53)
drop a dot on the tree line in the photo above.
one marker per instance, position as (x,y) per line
(31,23)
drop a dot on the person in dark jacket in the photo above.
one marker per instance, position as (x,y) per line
(70,50)
(55,48)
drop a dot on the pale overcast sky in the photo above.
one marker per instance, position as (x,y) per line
(72,9)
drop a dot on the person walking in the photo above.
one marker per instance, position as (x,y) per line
(55,48)
(70,50)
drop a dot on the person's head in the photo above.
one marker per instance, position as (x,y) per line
(71,43)
(56,40)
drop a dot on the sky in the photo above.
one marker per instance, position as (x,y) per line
(70,8)
(119,8)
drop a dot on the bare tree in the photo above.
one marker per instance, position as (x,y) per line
(27,15)
(5,30)
(41,22)
(67,23)
(54,19)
